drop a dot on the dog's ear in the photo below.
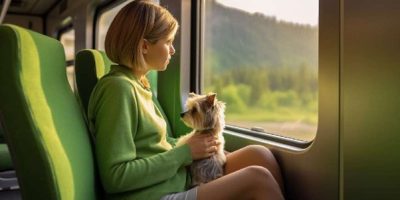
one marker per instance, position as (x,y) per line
(211,98)
(191,95)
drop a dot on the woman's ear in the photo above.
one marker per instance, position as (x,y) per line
(144,46)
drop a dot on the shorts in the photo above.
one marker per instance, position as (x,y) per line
(187,195)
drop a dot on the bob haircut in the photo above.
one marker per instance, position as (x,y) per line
(138,20)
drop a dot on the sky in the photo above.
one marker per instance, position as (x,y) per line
(298,11)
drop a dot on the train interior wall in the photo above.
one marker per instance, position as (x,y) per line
(370,96)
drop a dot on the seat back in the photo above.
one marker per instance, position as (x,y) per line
(44,126)
(90,66)
(5,159)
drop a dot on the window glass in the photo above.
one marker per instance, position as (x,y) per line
(261,58)
(67,39)
(104,22)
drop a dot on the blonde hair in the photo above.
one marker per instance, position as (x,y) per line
(140,19)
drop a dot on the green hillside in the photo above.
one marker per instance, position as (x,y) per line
(235,38)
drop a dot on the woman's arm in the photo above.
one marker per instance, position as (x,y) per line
(172,140)
(116,122)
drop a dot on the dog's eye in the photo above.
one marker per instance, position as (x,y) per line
(194,110)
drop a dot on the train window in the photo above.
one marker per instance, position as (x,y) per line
(67,39)
(261,58)
(104,22)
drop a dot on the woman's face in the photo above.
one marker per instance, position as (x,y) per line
(157,55)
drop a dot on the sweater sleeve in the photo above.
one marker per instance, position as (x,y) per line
(116,123)
(172,140)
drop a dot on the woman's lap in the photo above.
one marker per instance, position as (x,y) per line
(252,155)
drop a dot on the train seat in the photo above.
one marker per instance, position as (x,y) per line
(90,66)
(46,131)
(5,158)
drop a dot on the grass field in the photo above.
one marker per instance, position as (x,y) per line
(288,122)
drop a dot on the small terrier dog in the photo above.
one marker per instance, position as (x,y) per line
(205,114)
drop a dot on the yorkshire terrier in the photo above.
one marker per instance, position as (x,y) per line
(205,115)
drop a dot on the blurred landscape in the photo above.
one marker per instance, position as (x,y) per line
(264,69)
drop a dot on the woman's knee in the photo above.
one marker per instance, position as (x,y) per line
(259,175)
(260,152)
(263,182)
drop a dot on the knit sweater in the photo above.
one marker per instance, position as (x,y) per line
(136,159)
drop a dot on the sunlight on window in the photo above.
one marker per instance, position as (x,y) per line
(264,64)
(301,12)
(67,39)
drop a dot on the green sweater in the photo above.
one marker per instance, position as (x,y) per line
(134,158)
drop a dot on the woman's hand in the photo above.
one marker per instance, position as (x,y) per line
(202,145)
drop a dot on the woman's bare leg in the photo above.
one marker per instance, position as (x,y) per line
(252,182)
(254,155)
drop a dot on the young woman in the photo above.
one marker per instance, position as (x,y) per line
(135,156)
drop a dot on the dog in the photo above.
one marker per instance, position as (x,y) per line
(205,114)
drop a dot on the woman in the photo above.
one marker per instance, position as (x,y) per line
(135,156)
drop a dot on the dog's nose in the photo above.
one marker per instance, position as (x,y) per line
(183,114)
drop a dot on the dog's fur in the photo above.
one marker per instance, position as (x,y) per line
(205,114)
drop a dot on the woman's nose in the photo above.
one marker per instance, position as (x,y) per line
(172,50)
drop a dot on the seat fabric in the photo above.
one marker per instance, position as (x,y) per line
(5,158)
(45,129)
(90,66)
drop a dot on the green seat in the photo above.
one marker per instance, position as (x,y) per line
(46,132)
(5,158)
(90,66)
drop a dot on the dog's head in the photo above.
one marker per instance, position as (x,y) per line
(204,112)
